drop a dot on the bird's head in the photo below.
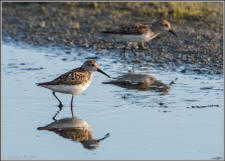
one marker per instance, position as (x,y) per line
(164,25)
(92,66)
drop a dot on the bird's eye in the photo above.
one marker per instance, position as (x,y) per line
(92,65)
(165,25)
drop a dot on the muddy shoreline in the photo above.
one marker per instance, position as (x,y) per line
(198,49)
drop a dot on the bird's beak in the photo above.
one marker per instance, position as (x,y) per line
(172,32)
(106,136)
(99,70)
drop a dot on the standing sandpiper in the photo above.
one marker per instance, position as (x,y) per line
(139,33)
(74,81)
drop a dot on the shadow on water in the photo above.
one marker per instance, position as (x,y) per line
(75,129)
(141,82)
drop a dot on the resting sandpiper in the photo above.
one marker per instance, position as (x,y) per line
(74,81)
(140,32)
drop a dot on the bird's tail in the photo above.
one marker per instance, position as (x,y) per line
(40,84)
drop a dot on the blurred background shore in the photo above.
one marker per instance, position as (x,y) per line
(199,26)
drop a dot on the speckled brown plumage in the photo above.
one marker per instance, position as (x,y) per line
(73,77)
(135,29)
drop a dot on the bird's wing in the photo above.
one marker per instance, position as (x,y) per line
(136,29)
(73,77)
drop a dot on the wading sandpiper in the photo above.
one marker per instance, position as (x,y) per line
(74,81)
(139,33)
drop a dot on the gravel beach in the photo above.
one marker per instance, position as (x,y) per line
(198,48)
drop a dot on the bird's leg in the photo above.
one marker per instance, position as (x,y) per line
(143,45)
(60,103)
(149,46)
(71,104)
(124,51)
(133,50)
(125,48)
(56,114)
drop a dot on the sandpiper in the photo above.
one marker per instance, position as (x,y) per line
(140,32)
(74,81)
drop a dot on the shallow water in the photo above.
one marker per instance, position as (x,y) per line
(139,127)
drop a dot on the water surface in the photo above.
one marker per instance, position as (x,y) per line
(139,127)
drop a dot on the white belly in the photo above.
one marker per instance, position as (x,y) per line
(125,38)
(150,35)
(130,38)
(68,89)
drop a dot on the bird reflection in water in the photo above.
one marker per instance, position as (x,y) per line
(75,129)
(140,82)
